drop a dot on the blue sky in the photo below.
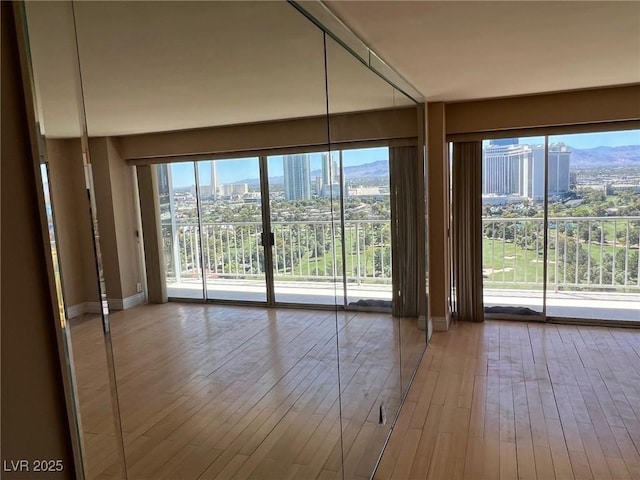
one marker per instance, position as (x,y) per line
(603,139)
(589,140)
(230,171)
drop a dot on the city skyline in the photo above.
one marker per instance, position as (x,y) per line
(236,170)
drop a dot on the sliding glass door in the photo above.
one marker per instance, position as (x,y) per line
(594,225)
(304,207)
(513,185)
(308,228)
(211,221)
(560,226)
(230,199)
(367,226)
(180,226)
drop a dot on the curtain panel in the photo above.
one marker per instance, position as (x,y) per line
(467,230)
(407,255)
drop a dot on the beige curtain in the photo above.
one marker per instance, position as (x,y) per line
(467,230)
(407,250)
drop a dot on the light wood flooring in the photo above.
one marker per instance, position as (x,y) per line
(515,400)
(229,392)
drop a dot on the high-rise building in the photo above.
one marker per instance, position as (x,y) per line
(214,180)
(327,169)
(559,163)
(513,169)
(297,177)
(233,189)
(502,167)
(533,173)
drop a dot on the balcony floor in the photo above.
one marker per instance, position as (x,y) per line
(306,293)
(621,307)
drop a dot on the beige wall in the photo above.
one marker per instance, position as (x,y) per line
(71,209)
(128,243)
(99,153)
(378,125)
(150,216)
(34,417)
(568,108)
(438,211)
(113,180)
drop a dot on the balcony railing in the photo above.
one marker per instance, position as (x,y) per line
(301,250)
(584,253)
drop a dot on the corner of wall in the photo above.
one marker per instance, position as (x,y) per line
(441,324)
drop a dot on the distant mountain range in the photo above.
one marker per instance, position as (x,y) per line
(379,168)
(581,158)
(628,155)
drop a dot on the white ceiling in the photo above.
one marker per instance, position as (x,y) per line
(452,50)
(161,66)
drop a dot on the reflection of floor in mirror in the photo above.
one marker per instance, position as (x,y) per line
(94,394)
(231,392)
(521,400)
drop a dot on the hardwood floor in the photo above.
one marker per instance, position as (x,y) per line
(513,400)
(230,392)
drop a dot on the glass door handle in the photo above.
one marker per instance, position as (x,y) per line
(268,238)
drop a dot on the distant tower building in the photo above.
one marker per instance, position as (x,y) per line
(559,162)
(514,169)
(164,187)
(297,177)
(327,169)
(502,169)
(533,173)
(214,180)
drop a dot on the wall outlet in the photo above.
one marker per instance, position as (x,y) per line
(138,287)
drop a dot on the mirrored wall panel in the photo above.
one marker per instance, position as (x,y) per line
(254,230)
(67,178)
(211,391)
(374,140)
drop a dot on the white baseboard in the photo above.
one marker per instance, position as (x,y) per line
(134,300)
(441,324)
(429,330)
(74,311)
(82,308)
(114,304)
(92,307)
(127,302)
